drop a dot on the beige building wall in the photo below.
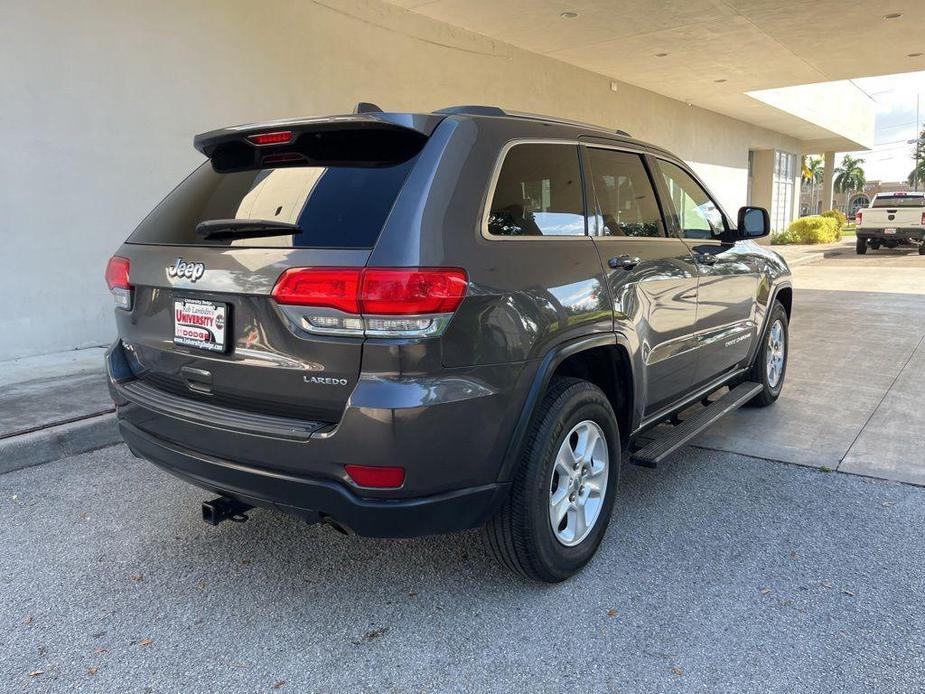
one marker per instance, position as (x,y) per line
(100,100)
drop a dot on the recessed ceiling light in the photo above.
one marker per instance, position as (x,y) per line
(719,81)
(569,15)
(660,55)
(913,55)
(893,15)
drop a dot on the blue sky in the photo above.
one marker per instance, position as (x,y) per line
(895,96)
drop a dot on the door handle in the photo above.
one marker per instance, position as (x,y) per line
(706,258)
(624,261)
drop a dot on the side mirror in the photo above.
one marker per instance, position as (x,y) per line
(754,222)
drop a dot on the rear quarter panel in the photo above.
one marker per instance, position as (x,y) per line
(525,295)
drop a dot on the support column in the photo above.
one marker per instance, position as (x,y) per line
(762,193)
(828,178)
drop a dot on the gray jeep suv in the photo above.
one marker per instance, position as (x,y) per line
(402,324)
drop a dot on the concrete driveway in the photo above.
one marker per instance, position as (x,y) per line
(719,573)
(854,398)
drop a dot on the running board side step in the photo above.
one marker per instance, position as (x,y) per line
(678,435)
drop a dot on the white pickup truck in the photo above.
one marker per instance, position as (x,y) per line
(890,220)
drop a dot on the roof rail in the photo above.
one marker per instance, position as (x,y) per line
(472,110)
(366,107)
(496,111)
(564,121)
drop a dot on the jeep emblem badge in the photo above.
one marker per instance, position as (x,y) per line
(182,269)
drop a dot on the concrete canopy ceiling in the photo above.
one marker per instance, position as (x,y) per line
(749,44)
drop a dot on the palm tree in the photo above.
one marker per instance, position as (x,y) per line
(804,168)
(812,176)
(917,175)
(849,177)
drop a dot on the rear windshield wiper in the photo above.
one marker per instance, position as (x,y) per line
(244,228)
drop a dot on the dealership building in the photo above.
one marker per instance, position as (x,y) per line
(98,117)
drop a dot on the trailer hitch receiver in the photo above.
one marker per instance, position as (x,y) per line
(224,508)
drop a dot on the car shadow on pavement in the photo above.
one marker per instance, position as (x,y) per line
(711,553)
(272,544)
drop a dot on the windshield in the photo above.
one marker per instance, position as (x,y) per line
(899,201)
(329,207)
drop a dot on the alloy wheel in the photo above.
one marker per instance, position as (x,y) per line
(578,483)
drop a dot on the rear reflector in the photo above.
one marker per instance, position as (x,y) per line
(375,476)
(280,137)
(117,273)
(374,291)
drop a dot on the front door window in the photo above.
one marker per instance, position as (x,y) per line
(698,216)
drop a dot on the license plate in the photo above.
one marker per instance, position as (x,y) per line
(200,324)
(889,231)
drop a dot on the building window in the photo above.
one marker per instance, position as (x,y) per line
(785,169)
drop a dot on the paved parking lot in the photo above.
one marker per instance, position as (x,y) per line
(720,573)
(854,399)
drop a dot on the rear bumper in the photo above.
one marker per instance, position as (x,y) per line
(449,432)
(901,233)
(315,499)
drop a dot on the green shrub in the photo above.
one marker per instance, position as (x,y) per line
(839,217)
(782,238)
(812,229)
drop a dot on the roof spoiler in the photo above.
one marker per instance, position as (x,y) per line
(366,107)
(369,138)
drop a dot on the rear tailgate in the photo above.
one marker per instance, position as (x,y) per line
(202,323)
(896,211)
(267,365)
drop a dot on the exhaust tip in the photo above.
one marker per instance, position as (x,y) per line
(336,525)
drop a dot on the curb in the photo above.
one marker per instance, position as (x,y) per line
(807,259)
(56,442)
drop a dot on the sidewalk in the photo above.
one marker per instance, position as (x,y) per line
(52,406)
(799,255)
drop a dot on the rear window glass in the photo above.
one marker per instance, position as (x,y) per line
(899,201)
(333,206)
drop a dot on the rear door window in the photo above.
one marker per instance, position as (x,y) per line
(625,195)
(333,206)
(538,193)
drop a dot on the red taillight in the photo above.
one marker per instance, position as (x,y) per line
(328,287)
(117,273)
(923,219)
(280,137)
(376,476)
(857,217)
(374,291)
(410,291)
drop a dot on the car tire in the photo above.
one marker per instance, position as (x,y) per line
(860,245)
(521,535)
(775,342)
(922,248)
